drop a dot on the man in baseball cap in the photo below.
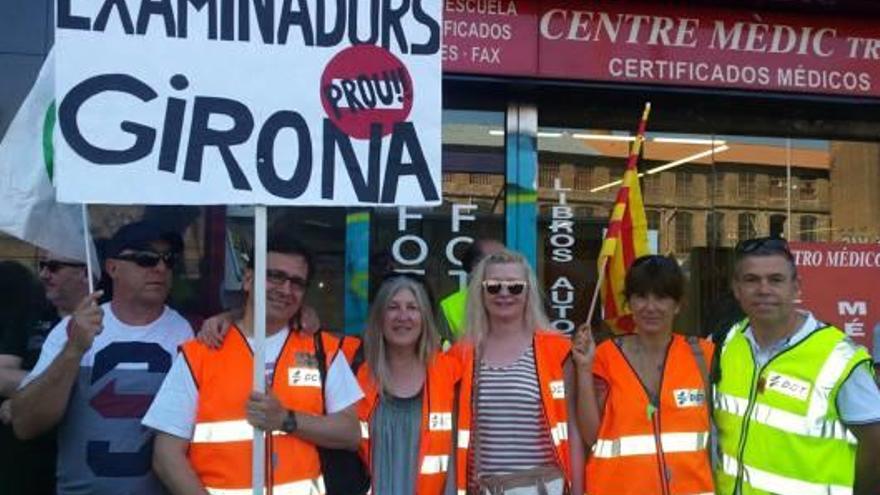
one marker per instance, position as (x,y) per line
(100,368)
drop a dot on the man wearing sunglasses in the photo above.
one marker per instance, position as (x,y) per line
(206,410)
(101,366)
(796,406)
(64,284)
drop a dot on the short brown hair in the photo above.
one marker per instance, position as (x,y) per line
(655,274)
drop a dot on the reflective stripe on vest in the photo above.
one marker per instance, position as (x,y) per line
(434,464)
(784,420)
(464,438)
(225,431)
(559,433)
(365,430)
(645,444)
(831,371)
(774,483)
(304,487)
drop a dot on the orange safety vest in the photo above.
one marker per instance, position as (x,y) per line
(220,451)
(641,449)
(435,441)
(551,350)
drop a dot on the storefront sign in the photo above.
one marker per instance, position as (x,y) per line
(199,102)
(410,250)
(839,284)
(663,44)
(563,280)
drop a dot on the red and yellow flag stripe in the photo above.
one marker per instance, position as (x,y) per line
(626,238)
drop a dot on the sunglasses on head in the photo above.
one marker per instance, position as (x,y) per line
(279,277)
(764,245)
(55,265)
(654,259)
(514,287)
(149,259)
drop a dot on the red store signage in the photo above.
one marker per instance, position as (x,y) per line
(658,44)
(839,284)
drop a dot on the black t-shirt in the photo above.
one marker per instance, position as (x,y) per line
(24,337)
(26,467)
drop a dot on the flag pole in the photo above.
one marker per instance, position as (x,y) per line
(596,291)
(87,239)
(259,446)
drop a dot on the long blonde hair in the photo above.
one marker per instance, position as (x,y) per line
(374,340)
(478,323)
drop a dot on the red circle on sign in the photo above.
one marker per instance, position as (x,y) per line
(365,85)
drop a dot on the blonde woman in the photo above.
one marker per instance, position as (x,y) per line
(406,415)
(513,414)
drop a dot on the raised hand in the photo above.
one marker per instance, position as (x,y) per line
(85,323)
(583,348)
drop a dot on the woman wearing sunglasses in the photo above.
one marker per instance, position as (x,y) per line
(512,413)
(406,414)
(642,398)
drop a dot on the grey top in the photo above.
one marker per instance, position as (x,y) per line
(395,433)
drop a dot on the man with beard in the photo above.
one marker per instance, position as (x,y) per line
(101,366)
(206,409)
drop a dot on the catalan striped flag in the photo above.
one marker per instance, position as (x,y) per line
(626,238)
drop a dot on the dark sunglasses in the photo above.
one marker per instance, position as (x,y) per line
(279,277)
(149,259)
(767,245)
(55,265)
(514,287)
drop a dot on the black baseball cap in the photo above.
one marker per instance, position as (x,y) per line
(139,235)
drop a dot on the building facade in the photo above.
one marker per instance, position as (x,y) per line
(765,121)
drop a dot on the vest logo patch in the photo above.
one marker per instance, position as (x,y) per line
(303,377)
(440,422)
(557,389)
(787,385)
(689,397)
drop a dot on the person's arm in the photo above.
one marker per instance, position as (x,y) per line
(339,430)
(40,405)
(867,459)
(11,374)
(214,329)
(172,465)
(858,401)
(586,401)
(577,456)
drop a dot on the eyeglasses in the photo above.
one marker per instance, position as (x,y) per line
(764,245)
(149,259)
(279,277)
(54,265)
(514,287)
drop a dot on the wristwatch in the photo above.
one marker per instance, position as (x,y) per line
(289,423)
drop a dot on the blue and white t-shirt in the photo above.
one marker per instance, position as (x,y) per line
(103,449)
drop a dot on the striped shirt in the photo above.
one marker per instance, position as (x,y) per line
(513,432)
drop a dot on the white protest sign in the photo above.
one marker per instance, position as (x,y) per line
(312,102)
